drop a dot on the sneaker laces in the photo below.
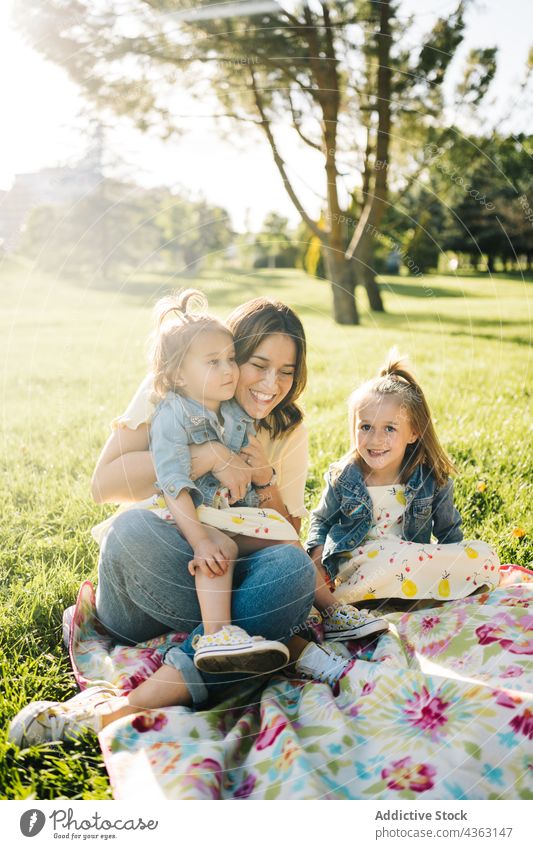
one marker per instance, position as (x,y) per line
(58,724)
(331,668)
(360,615)
(337,659)
(83,717)
(236,634)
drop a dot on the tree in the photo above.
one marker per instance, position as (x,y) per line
(484,183)
(273,244)
(123,226)
(330,70)
(190,231)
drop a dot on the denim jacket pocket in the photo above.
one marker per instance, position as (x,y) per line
(351,507)
(202,433)
(422,508)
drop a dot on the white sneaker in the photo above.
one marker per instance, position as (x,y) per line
(233,650)
(321,663)
(44,722)
(348,623)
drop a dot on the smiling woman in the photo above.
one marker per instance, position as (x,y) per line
(145,587)
(267,377)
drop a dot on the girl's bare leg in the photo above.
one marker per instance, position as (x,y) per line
(214,594)
(214,598)
(296,645)
(325,601)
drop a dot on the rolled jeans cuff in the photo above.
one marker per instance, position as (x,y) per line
(191,677)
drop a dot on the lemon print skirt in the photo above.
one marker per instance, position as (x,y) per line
(387,566)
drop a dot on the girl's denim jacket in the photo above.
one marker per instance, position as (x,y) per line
(344,515)
(180,422)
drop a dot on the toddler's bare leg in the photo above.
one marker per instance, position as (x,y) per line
(214,598)
(214,594)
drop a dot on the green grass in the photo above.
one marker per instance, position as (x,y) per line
(72,354)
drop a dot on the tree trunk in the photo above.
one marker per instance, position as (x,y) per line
(363,269)
(372,291)
(360,246)
(342,287)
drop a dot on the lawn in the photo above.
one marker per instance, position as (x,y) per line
(71,355)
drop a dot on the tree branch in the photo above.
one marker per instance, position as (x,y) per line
(313,226)
(298,127)
(374,204)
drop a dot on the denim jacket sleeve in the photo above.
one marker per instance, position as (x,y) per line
(323,516)
(446,518)
(171,452)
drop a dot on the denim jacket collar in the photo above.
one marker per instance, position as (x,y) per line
(351,480)
(197,411)
(236,412)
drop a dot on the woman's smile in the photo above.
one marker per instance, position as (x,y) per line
(267,376)
(261,397)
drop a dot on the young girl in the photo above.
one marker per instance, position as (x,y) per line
(195,375)
(371,532)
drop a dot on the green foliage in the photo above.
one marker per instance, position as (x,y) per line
(274,245)
(190,232)
(421,246)
(440,46)
(323,71)
(122,226)
(479,73)
(472,196)
(72,358)
(487,183)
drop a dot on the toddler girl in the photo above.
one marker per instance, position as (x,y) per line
(195,376)
(371,532)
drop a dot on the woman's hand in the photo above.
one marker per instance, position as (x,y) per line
(236,474)
(230,469)
(255,457)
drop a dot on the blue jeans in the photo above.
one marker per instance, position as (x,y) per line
(145,590)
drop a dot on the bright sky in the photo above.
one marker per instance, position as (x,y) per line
(41,111)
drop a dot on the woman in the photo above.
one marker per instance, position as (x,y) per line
(144,587)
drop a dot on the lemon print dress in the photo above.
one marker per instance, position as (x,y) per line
(387,566)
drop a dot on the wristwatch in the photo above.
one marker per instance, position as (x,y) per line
(272,481)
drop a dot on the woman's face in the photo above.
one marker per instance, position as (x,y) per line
(267,377)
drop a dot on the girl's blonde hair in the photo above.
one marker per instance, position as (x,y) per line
(177,326)
(396,380)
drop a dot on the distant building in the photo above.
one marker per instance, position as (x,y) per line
(54,186)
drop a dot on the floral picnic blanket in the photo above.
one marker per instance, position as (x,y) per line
(441,707)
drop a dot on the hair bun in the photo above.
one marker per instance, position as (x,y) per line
(397,365)
(181,305)
(192,301)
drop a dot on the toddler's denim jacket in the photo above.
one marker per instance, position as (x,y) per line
(344,515)
(179,422)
